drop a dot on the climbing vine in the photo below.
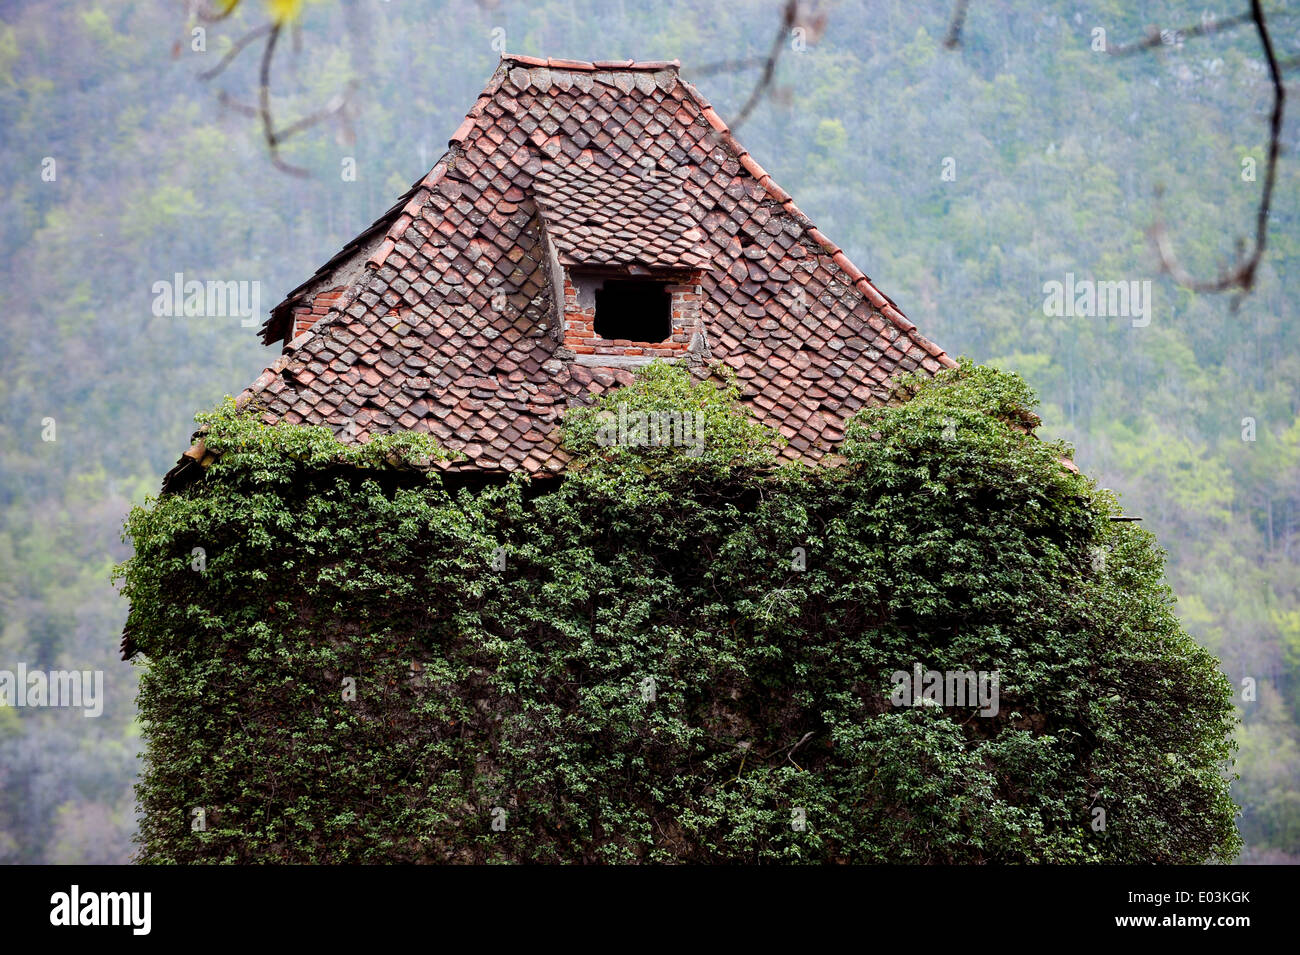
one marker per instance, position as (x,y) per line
(683,651)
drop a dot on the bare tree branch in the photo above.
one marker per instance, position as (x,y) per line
(338,107)
(1243,273)
(1156,38)
(264,106)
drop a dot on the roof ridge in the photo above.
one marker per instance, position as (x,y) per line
(556,63)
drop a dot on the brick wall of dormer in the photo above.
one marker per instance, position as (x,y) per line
(313,310)
(580,321)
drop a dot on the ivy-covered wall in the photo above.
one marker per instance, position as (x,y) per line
(679,653)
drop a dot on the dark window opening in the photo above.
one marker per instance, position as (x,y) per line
(635,310)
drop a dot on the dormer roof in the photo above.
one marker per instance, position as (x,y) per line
(608,215)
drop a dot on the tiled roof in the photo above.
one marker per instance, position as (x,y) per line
(601,213)
(445,320)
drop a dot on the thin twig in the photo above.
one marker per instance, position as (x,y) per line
(228,101)
(1242,274)
(1156,38)
(264,107)
(235,50)
(337,107)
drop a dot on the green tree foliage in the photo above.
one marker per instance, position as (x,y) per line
(670,657)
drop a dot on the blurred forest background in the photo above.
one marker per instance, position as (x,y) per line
(1056,152)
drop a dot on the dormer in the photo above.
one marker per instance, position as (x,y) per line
(628,259)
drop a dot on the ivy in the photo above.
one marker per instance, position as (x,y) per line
(681,653)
